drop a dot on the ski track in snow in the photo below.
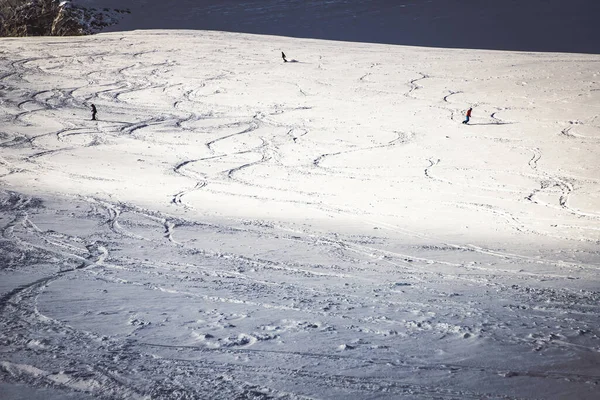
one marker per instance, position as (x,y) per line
(95,378)
(117,296)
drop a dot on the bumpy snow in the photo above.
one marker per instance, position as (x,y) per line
(233,226)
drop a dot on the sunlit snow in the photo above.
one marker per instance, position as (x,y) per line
(233,226)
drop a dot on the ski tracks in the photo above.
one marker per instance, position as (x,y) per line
(452,93)
(414,86)
(22,321)
(409,304)
(401,138)
(433,162)
(251,127)
(115,211)
(548,183)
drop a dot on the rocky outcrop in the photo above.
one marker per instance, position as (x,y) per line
(52,18)
(67,22)
(27,18)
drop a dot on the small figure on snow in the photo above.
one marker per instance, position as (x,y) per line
(283,56)
(94,111)
(466,121)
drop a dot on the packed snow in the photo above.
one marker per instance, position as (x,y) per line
(233,226)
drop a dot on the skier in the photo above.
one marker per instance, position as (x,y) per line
(94,112)
(466,121)
(283,56)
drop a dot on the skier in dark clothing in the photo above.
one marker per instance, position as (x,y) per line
(283,56)
(94,112)
(466,121)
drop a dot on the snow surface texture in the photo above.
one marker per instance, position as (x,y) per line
(234,226)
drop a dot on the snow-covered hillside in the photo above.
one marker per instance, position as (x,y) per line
(532,25)
(233,226)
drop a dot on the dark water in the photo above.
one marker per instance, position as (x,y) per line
(527,25)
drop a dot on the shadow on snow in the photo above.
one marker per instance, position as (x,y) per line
(533,25)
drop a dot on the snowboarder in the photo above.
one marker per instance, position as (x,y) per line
(94,112)
(283,56)
(466,121)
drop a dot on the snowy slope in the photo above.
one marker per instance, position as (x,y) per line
(234,226)
(532,25)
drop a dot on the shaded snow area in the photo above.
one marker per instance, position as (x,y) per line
(237,227)
(532,25)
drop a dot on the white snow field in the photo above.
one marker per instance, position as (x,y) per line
(237,227)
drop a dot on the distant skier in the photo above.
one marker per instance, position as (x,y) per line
(94,111)
(466,121)
(283,56)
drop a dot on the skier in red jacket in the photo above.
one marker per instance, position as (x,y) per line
(466,121)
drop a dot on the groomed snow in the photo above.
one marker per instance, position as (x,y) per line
(234,226)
